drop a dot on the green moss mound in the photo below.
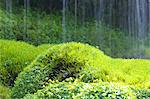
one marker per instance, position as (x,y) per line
(14,56)
(79,60)
(59,62)
(132,71)
(81,90)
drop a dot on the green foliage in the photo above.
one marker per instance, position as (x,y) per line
(4,92)
(60,62)
(14,57)
(42,28)
(37,30)
(81,90)
(142,93)
(131,71)
(79,60)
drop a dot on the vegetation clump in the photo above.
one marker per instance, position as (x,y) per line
(79,60)
(142,93)
(81,90)
(59,62)
(14,56)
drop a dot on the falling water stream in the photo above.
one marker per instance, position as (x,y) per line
(75,10)
(8,4)
(26,11)
(64,20)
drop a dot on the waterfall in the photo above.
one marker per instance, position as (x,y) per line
(141,24)
(101,9)
(83,13)
(9,6)
(64,20)
(26,11)
(9,14)
(51,15)
(95,14)
(98,16)
(132,16)
(75,10)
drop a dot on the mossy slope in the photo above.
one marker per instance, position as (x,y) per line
(14,56)
(79,60)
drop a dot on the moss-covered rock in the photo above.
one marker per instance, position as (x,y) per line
(14,56)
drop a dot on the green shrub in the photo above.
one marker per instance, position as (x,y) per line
(14,57)
(79,60)
(141,93)
(59,62)
(81,90)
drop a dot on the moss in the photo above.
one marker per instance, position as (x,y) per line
(59,62)
(79,60)
(14,56)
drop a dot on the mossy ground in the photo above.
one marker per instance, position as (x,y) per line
(62,61)
(14,56)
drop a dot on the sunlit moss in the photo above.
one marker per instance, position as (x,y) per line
(75,60)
